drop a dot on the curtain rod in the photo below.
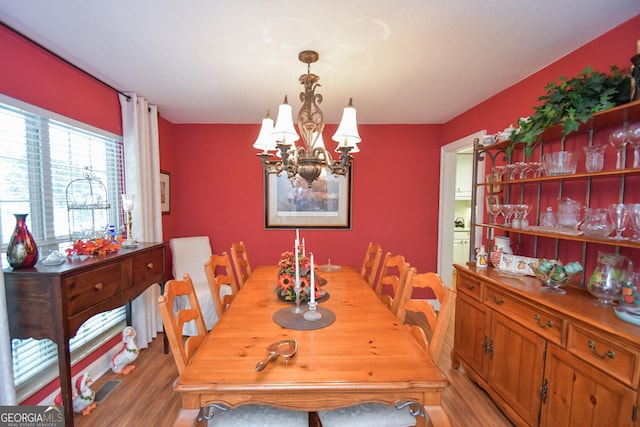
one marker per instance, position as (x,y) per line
(50,52)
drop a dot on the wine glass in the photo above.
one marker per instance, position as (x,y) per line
(507,211)
(634,213)
(620,218)
(633,136)
(511,170)
(494,210)
(618,139)
(498,171)
(524,212)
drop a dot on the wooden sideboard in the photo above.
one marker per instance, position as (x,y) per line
(53,301)
(546,359)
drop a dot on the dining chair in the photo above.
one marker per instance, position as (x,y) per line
(240,262)
(221,284)
(371,263)
(437,315)
(173,319)
(392,275)
(188,255)
(379,415)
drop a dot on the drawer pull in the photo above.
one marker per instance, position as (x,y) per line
(98,286)
(150,266)
(496,300)
(610,354)
(549,323)
(470,285)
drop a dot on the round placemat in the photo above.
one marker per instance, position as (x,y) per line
(323,298)
(286,318)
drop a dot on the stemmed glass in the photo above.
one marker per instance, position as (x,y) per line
(297,288)
(634,213)
(524,211)
(620,217)
(618,139)
(633,136)
(521,169)
(127,205)
(494,211)
(507,211)
(499,171)
(511,170)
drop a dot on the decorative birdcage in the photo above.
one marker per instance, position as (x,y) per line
(87,208)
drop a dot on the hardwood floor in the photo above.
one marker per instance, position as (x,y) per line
(145,396)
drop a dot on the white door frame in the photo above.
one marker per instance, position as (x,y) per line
(447,203)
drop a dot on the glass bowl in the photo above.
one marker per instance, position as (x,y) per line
(560,162)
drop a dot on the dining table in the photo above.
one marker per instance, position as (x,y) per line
(359,353)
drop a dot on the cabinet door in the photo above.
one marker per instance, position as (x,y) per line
(471,336)
(580,395)
(464,174)
(516,366)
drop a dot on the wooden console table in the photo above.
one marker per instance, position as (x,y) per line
(53,301)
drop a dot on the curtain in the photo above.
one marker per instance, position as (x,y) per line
(7,391)
(142,178)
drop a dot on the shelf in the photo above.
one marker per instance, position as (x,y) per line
(88,207)
(577,238)
(582,175)
(614,116)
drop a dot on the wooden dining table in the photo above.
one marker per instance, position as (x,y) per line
(365,355)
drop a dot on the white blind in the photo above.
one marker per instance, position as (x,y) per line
(40,154)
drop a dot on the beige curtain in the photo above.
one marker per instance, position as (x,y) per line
(7,390)
(142,178)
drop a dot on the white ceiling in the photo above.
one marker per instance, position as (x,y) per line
(402,61)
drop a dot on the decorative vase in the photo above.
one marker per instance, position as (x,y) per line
(22,251)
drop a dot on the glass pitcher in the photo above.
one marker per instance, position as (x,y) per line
(596,222)
(568,213)
(606,280)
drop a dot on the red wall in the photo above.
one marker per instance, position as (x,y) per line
(219,192)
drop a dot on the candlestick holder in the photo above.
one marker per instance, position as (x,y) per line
(297,289)
(127,206)
(312,315)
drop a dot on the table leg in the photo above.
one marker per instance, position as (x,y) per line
(437,417)
(186,418)
(64,365)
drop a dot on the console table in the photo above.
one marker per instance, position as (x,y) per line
(53,301)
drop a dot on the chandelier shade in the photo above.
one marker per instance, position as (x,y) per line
(311,159)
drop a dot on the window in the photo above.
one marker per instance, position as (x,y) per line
(40,154)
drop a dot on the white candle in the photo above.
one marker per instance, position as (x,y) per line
(313,281)
(297,235)
(297,282)
(304,250)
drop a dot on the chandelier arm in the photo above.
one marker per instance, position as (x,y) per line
(342,166)
(270,166)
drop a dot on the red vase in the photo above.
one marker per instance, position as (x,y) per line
(22,251)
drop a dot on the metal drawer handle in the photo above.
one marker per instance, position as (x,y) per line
(549,323)
(496,300)
(610,354)
(470,285)
(98,286)
(150,266)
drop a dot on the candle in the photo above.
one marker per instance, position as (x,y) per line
(313,281)
(304,250)
(297,235)
(297,282)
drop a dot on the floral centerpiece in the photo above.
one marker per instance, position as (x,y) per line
(99,246)
(287,277)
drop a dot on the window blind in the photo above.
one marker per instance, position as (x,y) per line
(40,154)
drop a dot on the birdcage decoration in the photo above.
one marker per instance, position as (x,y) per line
(87,208)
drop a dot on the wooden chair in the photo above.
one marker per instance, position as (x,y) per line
(222,286)
(376,414)
(393,274)
(184,349)
(371,263)
(240,262)
(439,319)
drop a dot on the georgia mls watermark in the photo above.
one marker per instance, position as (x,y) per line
(31,416)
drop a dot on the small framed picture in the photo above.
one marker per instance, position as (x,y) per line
(165,192)
(493,178)
(493,200)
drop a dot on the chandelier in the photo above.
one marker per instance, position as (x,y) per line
(278,143)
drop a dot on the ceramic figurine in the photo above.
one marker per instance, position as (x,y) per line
(121,361)
(83,395)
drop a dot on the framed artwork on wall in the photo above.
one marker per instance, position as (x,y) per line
(165,192)
(292,204)
(495,179)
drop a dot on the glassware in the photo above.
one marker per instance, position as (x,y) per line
(548,219)
(524,212)
(568,213)
(499,171)
(633,136)
(507,211)
(127,205)
(494,211)
(596,222)
(620,218)
(521,170)
(511,170)
(618,139)
(594,157)
(634,213)
(560,162)
(537,168)
(607,278)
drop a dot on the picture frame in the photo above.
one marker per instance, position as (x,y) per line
(165,192)
(493,200)
(493,178)
(292,204)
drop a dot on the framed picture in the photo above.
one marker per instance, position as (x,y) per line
(493,178)
(327,204)
(165,192)
(493,200)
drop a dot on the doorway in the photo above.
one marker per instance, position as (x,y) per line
(447,215)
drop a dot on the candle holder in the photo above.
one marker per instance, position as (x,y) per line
(297,289)
(312,315)
(127,206)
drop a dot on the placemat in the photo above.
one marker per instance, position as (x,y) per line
(286,318)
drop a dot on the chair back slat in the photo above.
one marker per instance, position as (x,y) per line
(240,262)
(371,263)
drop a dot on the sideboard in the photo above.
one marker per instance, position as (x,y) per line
(545,359)
(53,301)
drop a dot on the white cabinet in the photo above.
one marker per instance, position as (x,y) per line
(461,247)
(464,176)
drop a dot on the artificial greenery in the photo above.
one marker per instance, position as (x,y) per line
(572,102)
